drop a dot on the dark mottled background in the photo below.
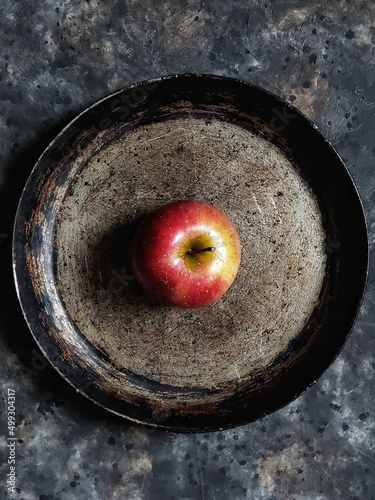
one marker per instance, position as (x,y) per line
(57,58)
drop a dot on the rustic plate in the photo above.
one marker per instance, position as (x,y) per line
(304,260)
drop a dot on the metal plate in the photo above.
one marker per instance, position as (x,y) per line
(301,280)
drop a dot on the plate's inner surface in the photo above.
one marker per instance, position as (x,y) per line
(283,257)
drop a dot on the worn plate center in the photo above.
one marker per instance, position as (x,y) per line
(283,257)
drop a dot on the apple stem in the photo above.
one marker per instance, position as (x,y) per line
(191,251)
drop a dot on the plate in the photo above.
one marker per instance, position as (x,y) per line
(304,252)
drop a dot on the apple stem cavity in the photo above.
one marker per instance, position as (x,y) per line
(191,251)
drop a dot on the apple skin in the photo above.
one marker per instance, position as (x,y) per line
(186,254)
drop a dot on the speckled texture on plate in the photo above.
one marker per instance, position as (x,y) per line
(60,57)
(283,259)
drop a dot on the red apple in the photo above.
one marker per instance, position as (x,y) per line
(186,254)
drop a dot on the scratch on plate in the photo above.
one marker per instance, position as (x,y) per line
(237,372)
(257,205)
(172,132)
